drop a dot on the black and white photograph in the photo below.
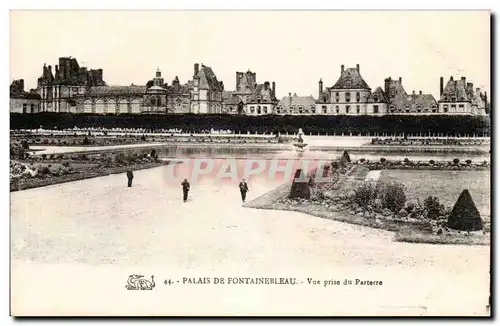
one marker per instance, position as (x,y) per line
(250,163)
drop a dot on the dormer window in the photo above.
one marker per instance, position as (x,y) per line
(301,110)
(348,83)
(357,97)
(375,98)
(325,99)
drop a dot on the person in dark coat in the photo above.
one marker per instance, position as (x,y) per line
(130,177)
(185,189)
(243,190)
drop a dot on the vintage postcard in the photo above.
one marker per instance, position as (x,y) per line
(250,163)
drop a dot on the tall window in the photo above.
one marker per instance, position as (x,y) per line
(258,110)
(324,109)
(301,110)
(32,108)
(357,109)
(25,107)
(358,97)
(348,97)
(375,109)
(313,109)
(337,109)
(347,108)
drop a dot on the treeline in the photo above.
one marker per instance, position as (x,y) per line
(355,125)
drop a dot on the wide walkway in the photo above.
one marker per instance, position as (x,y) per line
(74,245)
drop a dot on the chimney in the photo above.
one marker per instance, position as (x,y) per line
(57,69)
(342,69)
(357,67)
(464,80)
(451,78)
(274,88)
(50,69)
(294,94)
(400,80)
(413,94)
(266,85)
(420,92)
(196,69)
(387,85)
(290,99)
(441,84)
(320,88)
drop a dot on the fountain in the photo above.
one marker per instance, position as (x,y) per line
(300,146)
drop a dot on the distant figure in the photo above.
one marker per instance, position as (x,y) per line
(130,177)
(185,189)
(243,190)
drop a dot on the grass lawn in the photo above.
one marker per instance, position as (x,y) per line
(446,185)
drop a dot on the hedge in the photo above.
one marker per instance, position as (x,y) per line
(357,125)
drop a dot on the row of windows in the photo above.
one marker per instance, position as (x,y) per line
(25,108)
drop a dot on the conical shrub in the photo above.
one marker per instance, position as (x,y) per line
(300,188)
(465,215)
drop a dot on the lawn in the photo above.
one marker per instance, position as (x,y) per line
(446,185)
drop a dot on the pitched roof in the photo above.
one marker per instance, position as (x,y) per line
(231,97)
(378,96)
(350,79)
(262,91)
(116,90)
(414,102)
(296,101)
(456,88)
(208,80)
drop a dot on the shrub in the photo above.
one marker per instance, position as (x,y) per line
(299,189)
(51,157)
(86,141)
(469,162)
(120,158)
(432,162)
(365,194)
(143,138)
(44,156)
(464,215)
(25,145)
(433,209)
(456,161)
(362,160)
(383,160)
(392,195)
(65,164)
(345,158)
(406,160)
(45,141)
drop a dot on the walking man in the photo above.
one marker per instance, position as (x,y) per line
(243,190)
(185,189)
(130,177)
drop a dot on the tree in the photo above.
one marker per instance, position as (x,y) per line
(392,195)
(365,194)
(464,215)
(433,208)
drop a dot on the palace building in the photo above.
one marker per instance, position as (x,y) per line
(249,97)
(75,89)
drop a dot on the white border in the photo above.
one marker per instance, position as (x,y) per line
(193,5)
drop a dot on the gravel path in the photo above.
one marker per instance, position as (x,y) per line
(100,227)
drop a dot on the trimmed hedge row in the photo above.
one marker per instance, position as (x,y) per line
(357,125)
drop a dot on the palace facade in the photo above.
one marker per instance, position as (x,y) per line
(75,89)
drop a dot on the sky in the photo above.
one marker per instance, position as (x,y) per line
(293,48)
